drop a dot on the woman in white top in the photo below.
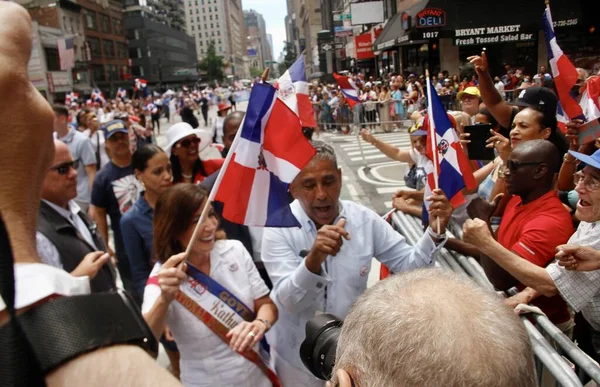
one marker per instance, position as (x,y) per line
(206,359)
(97,138)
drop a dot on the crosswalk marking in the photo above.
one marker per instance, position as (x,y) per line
(386,190)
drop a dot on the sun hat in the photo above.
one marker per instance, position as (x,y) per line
(183,129)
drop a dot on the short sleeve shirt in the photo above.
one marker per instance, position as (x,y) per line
(81,149)
(533,231)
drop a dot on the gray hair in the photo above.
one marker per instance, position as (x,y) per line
(434,328)
(324,152)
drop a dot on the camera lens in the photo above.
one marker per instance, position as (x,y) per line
(318,348)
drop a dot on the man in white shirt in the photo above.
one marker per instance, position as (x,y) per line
(323,266)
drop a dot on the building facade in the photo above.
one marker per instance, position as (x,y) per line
(303,24)
(259,49)
(222,23)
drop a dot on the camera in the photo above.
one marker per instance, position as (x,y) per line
(317,351)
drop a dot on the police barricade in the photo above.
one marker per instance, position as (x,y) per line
(547,357)
(373,115)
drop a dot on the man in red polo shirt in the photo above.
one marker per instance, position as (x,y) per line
(534,221)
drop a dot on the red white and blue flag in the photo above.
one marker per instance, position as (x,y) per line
(141,85)
(97,96)
(590,98)
(122,93)
(453,168)
(564,72)
(71,97)
(66,53)
(348,88)
(265,157)
(293,91)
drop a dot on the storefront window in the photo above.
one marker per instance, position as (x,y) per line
(98,73)
(95,47)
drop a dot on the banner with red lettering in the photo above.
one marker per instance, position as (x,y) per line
(364,46)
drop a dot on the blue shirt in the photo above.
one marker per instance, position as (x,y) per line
(299,294)
(136,226)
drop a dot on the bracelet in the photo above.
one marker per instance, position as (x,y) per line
(266,322)
(435,235)
(566,160)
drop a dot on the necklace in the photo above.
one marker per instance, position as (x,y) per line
(186,176)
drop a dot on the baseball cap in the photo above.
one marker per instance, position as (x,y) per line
(592,161)
(112,127)
(471,90)
(539,98)
(417,130)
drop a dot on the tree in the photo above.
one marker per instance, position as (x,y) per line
(212,64)
(289,57)
(256,72)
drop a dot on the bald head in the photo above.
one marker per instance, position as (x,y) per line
(542,151)
(230,127)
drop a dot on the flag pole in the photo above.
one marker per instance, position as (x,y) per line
(432,136)
(361,150)
(215,187)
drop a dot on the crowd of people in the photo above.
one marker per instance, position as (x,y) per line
(215,306)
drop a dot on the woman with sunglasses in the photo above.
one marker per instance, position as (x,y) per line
(184,145)
(175,291)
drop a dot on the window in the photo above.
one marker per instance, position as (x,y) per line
(197,11)
(217,17)
(210,17)
(136,34)
(95,47)
(52,59)
(198,19)
(218,33)
(204,17)
(149,52)
(104,23)
(117,26)
(220,49)
(191,11)
(98,73)
(212,25)
(109,48)
(205,26)
(113,73)
(192,28)
(219,41)
(201,43)
(212,33)
(121,50)
(90,19)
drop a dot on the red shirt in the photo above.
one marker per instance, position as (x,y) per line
(533,231)
(210,167)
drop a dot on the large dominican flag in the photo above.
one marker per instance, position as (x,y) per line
(264,159)
(349,89)
(564,72)
(453,168)
(293,90)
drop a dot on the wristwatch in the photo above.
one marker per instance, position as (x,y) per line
(266,322)
(441,238)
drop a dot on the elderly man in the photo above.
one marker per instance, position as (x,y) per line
(534,223)
(469,100)
(581,290)
(376,347)
(66,237)
(323,265)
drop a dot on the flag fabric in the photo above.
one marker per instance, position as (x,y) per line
(561,118)
(453,168)
(349,89)
(141,85)
(66,53)
(293,91)
(71,97)
(267,154)
(590,98)
(97,96)
(564,72)
(122,93)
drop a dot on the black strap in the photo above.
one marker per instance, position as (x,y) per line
(17,352)
(98,161)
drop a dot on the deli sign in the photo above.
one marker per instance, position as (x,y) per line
(431,17)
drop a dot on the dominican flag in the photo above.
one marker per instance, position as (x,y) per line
(450,163)
(141,85)
(564,72)
(349,89)
(122,93)
(97,96)
(561,118)
(293,91)
(265,157)
(71,97)
(590,98)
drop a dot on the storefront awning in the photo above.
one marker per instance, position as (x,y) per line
(391,32)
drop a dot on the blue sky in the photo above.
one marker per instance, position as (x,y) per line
(274,12)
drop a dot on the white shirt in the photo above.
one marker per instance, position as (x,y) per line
(205,359)
(500,87)
(46,249)
(581,289)
(99,144)
(299,293)
(217,129)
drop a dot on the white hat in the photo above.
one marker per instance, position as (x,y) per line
(183,129)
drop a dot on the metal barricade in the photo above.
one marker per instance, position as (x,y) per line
(546,355)
(374,115)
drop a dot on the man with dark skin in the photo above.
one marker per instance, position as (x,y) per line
(534,222)
(230,127)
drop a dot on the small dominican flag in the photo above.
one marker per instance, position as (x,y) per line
(122,93)
(141,85)
(97,96)
(590,98)
(265,157)
(453,168)
(293,91)
(349,89)
(561,118)
(71,97)
(564,72)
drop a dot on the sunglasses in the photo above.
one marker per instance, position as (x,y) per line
(64,168)
(514,165)
(589,182)
(187,142)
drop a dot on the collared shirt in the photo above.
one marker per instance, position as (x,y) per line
(81,149)
(581,289)
(299,293)
(46,249)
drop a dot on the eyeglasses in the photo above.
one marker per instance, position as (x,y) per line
(64,168)
(187,142)
(590,183)
(514,165)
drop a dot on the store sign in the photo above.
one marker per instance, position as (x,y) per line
(405,21)
(431,17)
(491,35)
(402,39)
(364,46)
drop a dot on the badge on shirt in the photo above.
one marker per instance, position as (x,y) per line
(364,271)
(233,267)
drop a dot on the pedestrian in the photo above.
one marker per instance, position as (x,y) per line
(187,114)
(96,136)
(204,103)
(217,127)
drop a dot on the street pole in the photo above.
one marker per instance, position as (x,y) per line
(332,29)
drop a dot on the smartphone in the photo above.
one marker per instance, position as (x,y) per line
(479,134)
